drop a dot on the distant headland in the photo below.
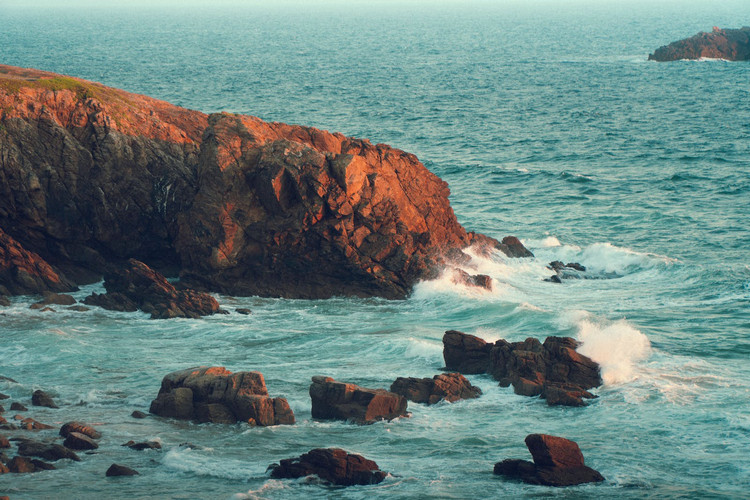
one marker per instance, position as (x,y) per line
(729,44)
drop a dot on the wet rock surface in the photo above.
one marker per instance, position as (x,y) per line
(41,398)
(553,370)
(47,451)
(730,44)
(444,387)
(341,401)
(557,462)
(332,465)
(120,470)
(214,394)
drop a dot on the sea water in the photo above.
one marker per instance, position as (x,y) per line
(548,123)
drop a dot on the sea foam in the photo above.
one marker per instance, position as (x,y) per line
(616,346)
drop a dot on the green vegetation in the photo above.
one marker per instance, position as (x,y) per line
(83,90)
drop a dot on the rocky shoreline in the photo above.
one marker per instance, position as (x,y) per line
(729,44)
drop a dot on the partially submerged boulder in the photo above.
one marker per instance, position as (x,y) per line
(557,462)
(332,465)
(143,445)
(47,451)
(41,398)
(444,387)
(138,286)
(120,470)
(341,401)
(80,428)
(214,394)
(78,441)
(553,370)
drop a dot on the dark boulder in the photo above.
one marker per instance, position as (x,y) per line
(21,465)
(41,398)
(332,465)
(512,247)
(144,445)
(243,311)
(214,394)
(466,353)
(78,441)
(16,406)
(138,414)
(342,401)
(449,387)
(136,284)
(120,470)
(557,462)
(3,396)
(47,451)
(730,44)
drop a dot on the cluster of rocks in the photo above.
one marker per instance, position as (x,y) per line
(444,387)
(331,465)
(564,271)
(557,462)
(552,370)
(729,44)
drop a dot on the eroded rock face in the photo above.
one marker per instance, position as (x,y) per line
(557,462)
(95,176)
(730,44)
(332,465)
(341,401)
(553,370)
(449,387)
(138,286)
(214,394)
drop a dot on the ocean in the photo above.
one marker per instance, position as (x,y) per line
(548,123)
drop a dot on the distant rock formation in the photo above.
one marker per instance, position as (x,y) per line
(332,465)
(553,370)
(730,44)
(557,462)
(341,401)
(449,387)
(214,394)
(93,176)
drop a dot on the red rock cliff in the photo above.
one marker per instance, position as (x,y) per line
(92,175)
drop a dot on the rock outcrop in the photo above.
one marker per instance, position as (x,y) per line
(332,465)
(730,44)
(137,286)
(214,394)
(341,401)
(93,176)
(444,387)
(552,370)
(557,462)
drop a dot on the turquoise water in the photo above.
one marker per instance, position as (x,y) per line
(548,123)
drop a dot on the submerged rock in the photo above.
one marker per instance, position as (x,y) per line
(557,462)
(444,387)
(214,394)
(332,465)
(341,401)
(138,414)
(553,370)
(730,44)
(138,286)
(120,470)
(143,445)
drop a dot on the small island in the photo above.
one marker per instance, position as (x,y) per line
(729,44)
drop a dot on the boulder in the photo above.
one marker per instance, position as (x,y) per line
(16,406)
(465,353)
(32,425)
(332,465)
(730,44)
(47,451)
(214,394)
(512,247)
(120,470)
(144,445)
(552,370)
(557,462)
(78,441)
(21,465)
(342,401)
(149,291)
(41,398)
(448,387)
(138,414)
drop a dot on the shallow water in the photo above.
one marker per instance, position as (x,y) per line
(548,123)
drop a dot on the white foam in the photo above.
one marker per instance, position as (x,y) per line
(617,347)
(423,349)
(262,492)
(548,242)
(200,463)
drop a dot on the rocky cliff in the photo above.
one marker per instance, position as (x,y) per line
(730,44)
(91,176)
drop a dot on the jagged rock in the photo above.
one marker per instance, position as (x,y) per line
(553,279)
(138,414)
(332,465)
(16,406)
(478,280)
(48,451)
(341,401)
(465,353)
(243,311)
(557,462)
(235,204)
(41,398)
(730,44)
(512,247)
(449,387)
(553,370)
(80,428)
(78,441)
(207,393)
(144,445)
(120,470)
(150,291)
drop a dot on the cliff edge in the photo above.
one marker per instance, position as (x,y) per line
(91,176)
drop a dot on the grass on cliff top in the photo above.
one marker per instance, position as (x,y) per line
(83,90)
